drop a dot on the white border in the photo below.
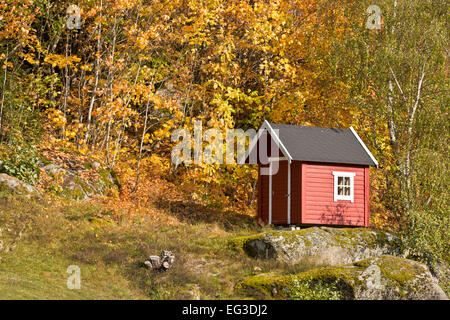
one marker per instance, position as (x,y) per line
(350,175)
(364,146)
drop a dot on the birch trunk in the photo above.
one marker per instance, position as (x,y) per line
(97,71)
(4,88)
(111,93)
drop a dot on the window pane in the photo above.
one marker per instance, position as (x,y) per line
(340,191)
(340,179)
(347,181)
(347,191)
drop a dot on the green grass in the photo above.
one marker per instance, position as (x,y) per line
(31,273)
(110,251)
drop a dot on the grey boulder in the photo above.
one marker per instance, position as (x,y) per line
(377,278)
(326,246)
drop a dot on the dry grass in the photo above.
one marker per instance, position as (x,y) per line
(110,250)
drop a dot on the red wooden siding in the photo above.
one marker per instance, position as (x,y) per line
(312,195)
(367,197)
(318,206)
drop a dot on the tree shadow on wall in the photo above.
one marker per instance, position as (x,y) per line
(336,215)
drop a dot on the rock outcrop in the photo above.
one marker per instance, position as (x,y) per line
(75,185)
(383,277)
(327,246)
(17,186)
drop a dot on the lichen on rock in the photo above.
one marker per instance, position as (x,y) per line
(382,277)
(73,184)
(17,186)
(321,245)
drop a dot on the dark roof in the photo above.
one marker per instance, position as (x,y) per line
(318,144)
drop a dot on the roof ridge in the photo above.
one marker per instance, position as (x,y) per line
(305,126)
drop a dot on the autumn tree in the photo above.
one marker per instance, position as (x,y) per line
(398,73)
(135,71)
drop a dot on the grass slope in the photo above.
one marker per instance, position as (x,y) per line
(31,273)
(46,236)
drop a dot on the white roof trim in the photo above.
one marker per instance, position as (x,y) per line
(266,125)
(364,146)
(278,141)
(251,146)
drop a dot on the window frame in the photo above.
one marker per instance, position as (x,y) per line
(339,174)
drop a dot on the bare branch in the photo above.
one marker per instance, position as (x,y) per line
(397,83)
(416,104)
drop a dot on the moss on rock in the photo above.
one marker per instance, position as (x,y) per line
(324,245)
(9,184)
(108,179)
(382,277)
(74,185)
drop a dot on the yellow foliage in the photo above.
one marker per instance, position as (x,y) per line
(60,61)
(56,117)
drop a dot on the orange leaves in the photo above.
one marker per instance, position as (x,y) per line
(56,117)
(141,42)
(161,65)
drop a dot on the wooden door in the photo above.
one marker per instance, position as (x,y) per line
(280,194)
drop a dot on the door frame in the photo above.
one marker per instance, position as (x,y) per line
(273,159)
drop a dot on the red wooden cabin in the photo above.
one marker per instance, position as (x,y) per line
(320,176)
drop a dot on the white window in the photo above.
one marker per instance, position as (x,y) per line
(343,186)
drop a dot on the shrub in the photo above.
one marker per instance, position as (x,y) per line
(427,232)
(20,161)
(307,290)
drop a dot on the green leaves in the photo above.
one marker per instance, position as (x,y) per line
(307,290)
(21,161)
